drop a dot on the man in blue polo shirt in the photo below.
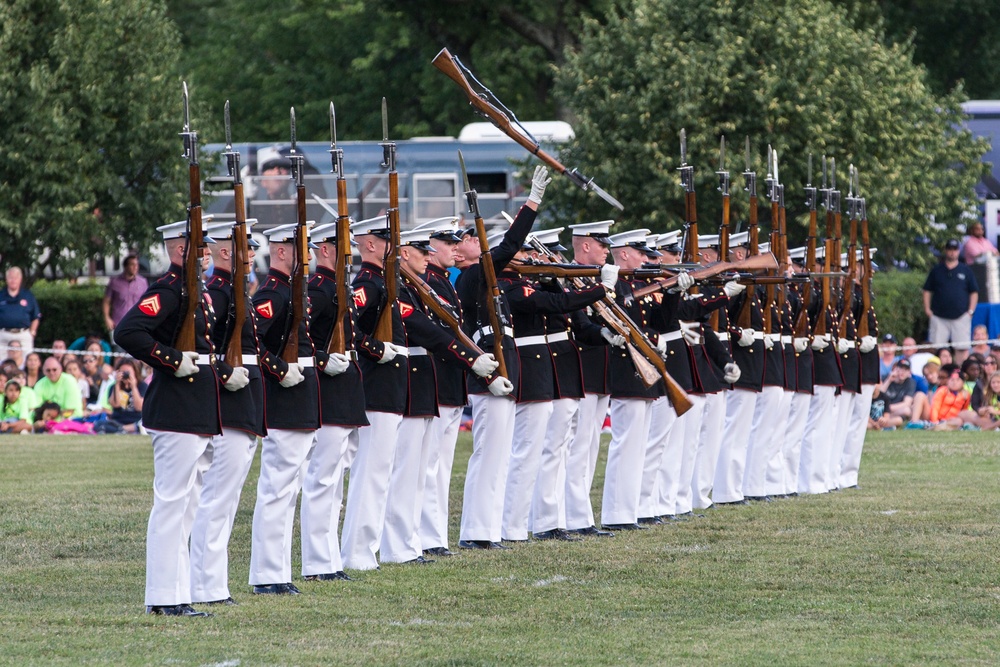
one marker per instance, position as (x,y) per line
(19,314)
(950,298)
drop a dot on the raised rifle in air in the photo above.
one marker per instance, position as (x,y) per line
(300,265)
(338,338)
(240,305)
(383,328)
(192,284)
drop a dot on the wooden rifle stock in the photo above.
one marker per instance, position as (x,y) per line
(383,328)
(195,246)
(866,275)
(762,262)
(745,317)
(493,294)
(241,256)
(338,339)
(441,308)
(300,266)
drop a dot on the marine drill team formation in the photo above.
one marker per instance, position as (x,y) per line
(733,371)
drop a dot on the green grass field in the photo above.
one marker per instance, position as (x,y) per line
(902,571)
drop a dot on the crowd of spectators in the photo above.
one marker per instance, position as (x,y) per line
(929,390)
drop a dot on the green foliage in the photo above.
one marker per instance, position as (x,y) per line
(795,75)
(899,303)
(89,133)
(68,311)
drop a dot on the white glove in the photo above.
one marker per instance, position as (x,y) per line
(819,344)
(868,343)
(691,332)
(746,338)
(188,365)
(731,373)
(337,364)
(293,376)
(684,281)
(768,343)
(613,339)
(484,365)
(239,379)
(661,345)
(538,183)
(500,387)
(843,345)
(390,351)
(800,344)
(732,288)
(609,276)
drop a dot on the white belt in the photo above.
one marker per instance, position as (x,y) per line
(481,332)
(787,340)
(775,338)
(525,341)
(827,337)
(723,335)
(418,351)
(671,335)
(557,337)
(758,335)
(205,359)
(307,362)
(249,360)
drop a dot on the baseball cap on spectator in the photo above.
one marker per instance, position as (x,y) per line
(889,338)
(903,363)
(952,244)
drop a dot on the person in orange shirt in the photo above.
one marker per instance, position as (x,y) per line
(949,403)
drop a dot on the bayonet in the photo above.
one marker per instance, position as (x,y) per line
(232,157)
(190,136)
(336,154)
(722,172)
(295,157)
(684,147)
(470,195)
(388,147)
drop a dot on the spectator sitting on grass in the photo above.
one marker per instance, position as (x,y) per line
(949,403)
(32,369)
(981,340)
(60,388)
(58,349)
(15,353)
(15,413)
(887,355)
(987,417)
(922,399)
(72,367)
(48,411)
(945,355)
(125,397)
(897,393)
(972,372)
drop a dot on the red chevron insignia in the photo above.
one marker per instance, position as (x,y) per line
(150,305)
(265,309)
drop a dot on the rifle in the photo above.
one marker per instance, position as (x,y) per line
(486,104)
(772,193)
(494,304)
(195,248)
(300,266)
(241,254)
(852,259)
(826,305)
(713,319)
(383,328)
(866,255)
(690,253)
(647,361)
(802,322)
(338,338)
(762,262)
(441,308)
(744,319)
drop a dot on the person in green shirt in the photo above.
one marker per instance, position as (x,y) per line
(15,415)
(61,388)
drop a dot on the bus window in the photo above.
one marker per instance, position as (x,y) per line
(434,196)
(493,183)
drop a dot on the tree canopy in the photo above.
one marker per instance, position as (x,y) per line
(91,111)
(792,74)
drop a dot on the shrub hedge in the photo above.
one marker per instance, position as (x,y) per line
(899,303)
(68,311)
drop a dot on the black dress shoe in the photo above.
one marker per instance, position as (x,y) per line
(690,515)
(623,526)
(795,494)
(742,501)
(556,534)
(176,610)
(228,601)
(419,560)
(669,518)
(759,499)
(327,576)
(276,589)
(591,531)
(852,486)
(650,521)
(500,547)
(474,544)
(438,551)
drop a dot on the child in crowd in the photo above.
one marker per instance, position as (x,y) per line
(949,403)
(987,417)
(15,413)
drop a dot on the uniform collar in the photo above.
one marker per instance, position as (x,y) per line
(324,271)
(224,274)
(436,270)
(374,268)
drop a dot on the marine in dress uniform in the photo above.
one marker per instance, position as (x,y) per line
(383,371)
(181,411)
(850,367)
(590,247)
(241,399)
(530,306)
(292,402)
(492,408)
(342,414)
(424,336)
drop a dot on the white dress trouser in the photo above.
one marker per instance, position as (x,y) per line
(817,440)
(623,476)
(783,471)
(841,434)
(727,486)
(764,429)
(284,455)
(231,457)
(440,459)
(581,460)
(548,503)
(322,495)
(371,470)
(531,421)
(401,537)
(850,460)
(492,435)
(661,421)
(176,461)
(686,428)
(712,428)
